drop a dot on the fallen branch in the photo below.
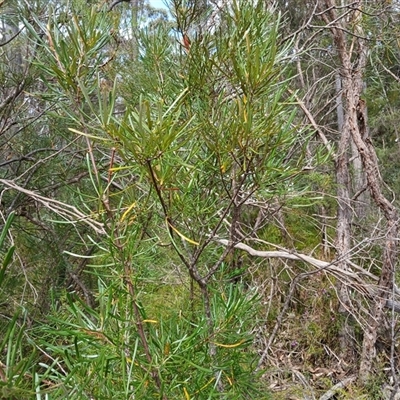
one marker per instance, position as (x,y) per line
(65,211)
(334,389)
(321,265)
(354,277)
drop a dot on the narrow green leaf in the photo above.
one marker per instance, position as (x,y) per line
(6,227)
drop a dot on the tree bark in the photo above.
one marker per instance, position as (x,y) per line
(344,211)
(343,245)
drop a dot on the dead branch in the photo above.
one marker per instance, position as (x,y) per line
(319,264)
(116,2)
(334,389)
(313,123)
(65,211)
(353,279)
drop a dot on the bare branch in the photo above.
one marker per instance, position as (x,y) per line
(66,211)
(18,90)
(339,386)
(11,38)
(321,265)
(353,278)
(313,123)
(116,2)
(395,77)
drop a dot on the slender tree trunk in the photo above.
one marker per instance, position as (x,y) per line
(343,245)
(343,235)
(385,284)
(339,101)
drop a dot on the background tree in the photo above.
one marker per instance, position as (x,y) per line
(348,24)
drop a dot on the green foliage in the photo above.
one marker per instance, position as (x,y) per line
(97,353)
(17,355)
(6,257)
(175,149)
(161,149)
(169,148)
(19,359)
(191,145)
